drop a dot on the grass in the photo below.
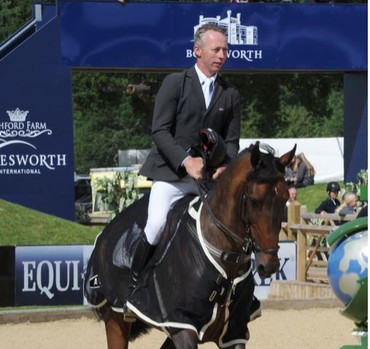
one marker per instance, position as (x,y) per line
(24,226)
(313,195)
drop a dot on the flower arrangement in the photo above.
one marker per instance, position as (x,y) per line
(361,186)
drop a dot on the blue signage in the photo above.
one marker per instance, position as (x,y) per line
(260,36)
(53,275)
(36,126)
(50,275)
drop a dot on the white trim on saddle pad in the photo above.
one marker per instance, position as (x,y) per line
(196,215)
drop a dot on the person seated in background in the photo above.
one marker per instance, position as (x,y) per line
(331,203)
(349,204)
(293,196)
(300,172)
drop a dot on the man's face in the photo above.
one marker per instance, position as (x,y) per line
(292,194)
(333,195)
(211,53)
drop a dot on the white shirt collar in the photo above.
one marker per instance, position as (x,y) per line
(202,77)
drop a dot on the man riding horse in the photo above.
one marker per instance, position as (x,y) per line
(195,99)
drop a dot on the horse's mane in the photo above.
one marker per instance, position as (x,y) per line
(266,171)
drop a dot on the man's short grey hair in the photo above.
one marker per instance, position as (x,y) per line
(204,28)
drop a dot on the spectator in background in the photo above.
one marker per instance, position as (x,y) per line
(349,204)
(331,203)
(292,197)
(300,172)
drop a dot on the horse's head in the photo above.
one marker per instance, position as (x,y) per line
(265,195)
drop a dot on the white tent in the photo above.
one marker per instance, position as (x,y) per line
(325,154)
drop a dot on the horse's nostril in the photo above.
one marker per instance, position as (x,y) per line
(261,269)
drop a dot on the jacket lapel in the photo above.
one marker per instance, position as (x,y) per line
(195,85)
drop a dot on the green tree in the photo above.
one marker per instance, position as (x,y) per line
(290,105)
(105,119)
(13,14)
(333,125)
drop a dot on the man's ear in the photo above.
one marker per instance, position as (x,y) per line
(197,51)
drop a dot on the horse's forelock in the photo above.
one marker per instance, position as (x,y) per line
(266,171)
(266,149)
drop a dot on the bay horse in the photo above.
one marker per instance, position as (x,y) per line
(198,286)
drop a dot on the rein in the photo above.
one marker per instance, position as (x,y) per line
(231,236)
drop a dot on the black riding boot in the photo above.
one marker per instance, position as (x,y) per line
(143,252)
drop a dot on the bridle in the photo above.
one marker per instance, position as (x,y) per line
(246,244)
(244,217)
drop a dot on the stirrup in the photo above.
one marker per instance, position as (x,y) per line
(128,315)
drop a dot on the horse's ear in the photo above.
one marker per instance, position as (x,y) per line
(286,159)
(255,154)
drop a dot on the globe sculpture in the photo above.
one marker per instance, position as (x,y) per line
(348,271)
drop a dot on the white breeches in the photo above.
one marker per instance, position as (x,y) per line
(163,195)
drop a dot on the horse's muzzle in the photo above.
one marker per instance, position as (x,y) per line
(266,265)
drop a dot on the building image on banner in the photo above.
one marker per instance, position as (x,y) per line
(236,32)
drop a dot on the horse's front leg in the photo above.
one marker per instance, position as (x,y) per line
(185,339)
(117,330)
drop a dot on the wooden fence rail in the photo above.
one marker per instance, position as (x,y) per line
(310,230)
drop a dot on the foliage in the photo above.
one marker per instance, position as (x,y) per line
(362,177)
(290,105)
(106,119)
(118,192)
(13,14)
(22,226)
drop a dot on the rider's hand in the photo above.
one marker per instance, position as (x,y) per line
(218,172)
(194,167)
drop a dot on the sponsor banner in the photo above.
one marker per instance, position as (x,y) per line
(53,275)
(50,275)
(260,36)
(17,130)
(36,126)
